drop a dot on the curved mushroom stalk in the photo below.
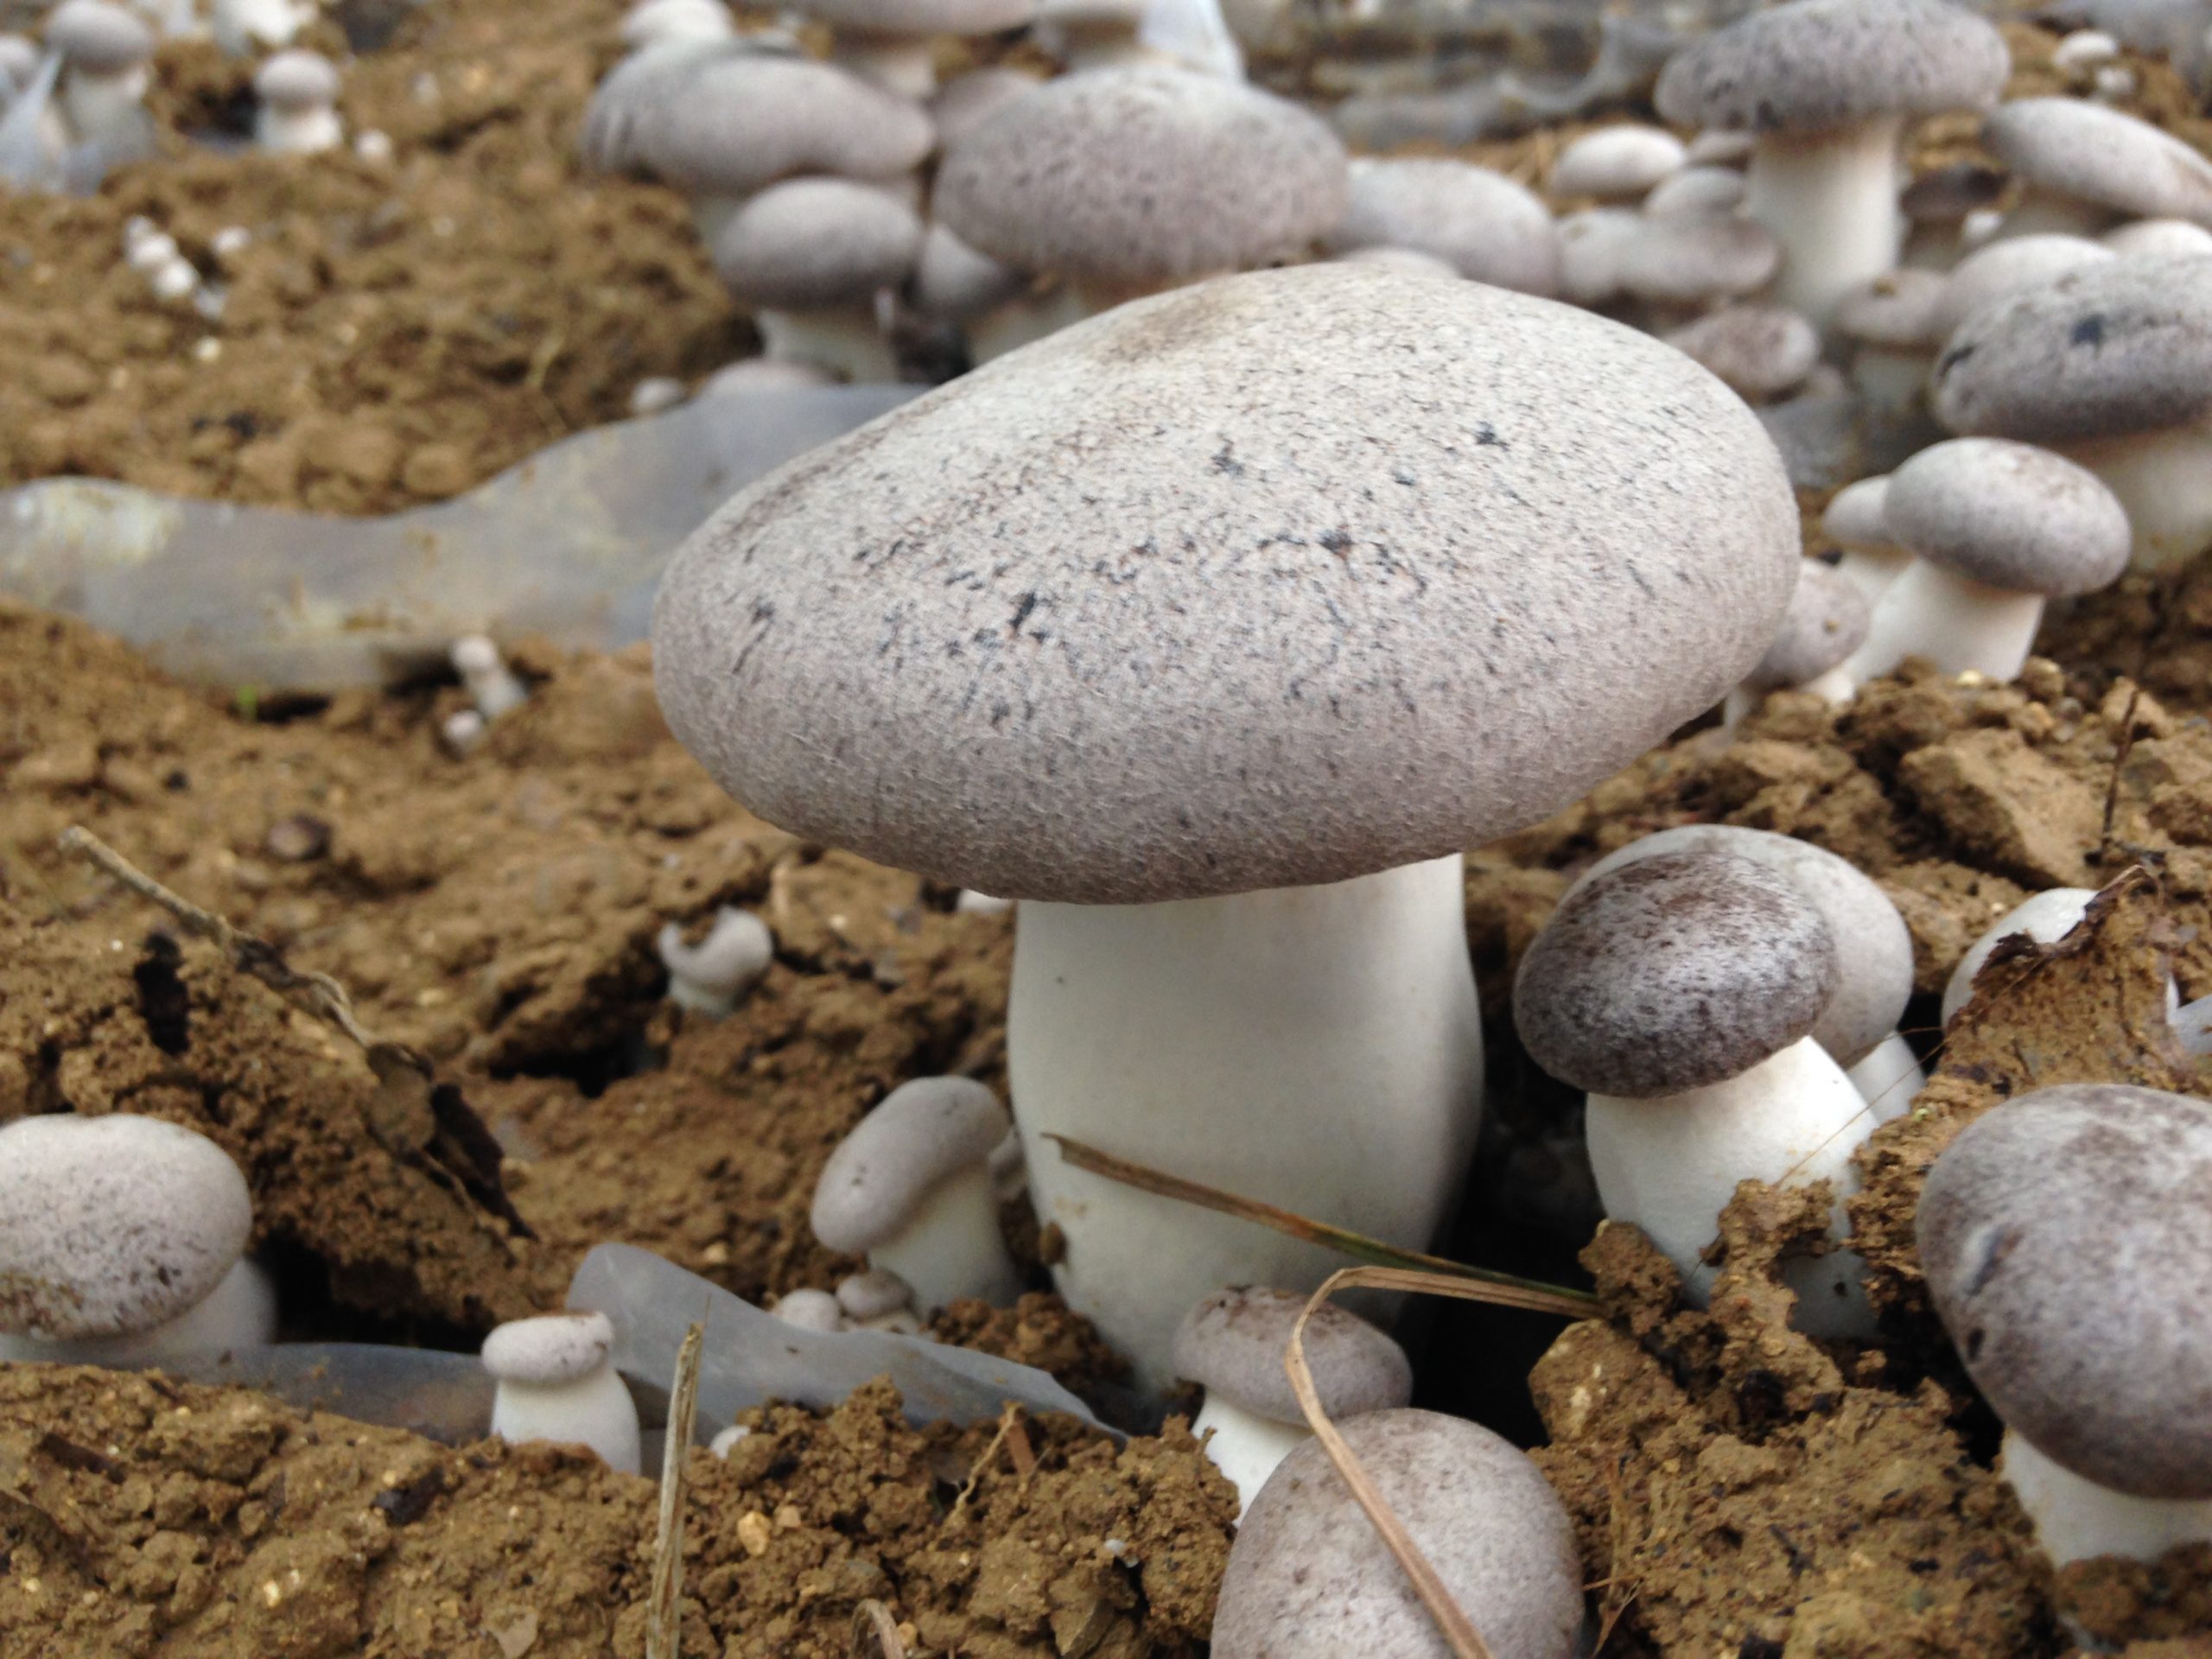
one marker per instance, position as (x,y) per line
(842,338)
(1318,1048)
(2077,1520)
(594,1410)
(1831,201)
(1955,622)
(1888,1077)
(1245,1446)
(2164,481)
(951,1248)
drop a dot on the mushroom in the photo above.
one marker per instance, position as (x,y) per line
(106,55)
(1999,528)
(557,1382)
(1854,521)
(1094,34)
(1220,700)
(660,23)
(911,1186)
(2110,366)
(2014,265)
(1310,1578)
(1894,326)
(1696,190)
(1592,245)
(955,283)
(877,1299)
(2066,1244)
(1682,990)
(1480,223)
(1232,1344)
(242,28)
(1680,264)
(890,41)
(712,977)
(298,115)
(1758,352)
(123,1241)
(2084,168)
(1618,163)
(811,256)
(1826,622)
(809,1310)
(2157,239)
(2046,918)
(492,685)
(1826,87)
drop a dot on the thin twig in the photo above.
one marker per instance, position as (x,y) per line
(1505,1289)
(2118,761)
(872,1622)
(1010,1425)
(663,1625)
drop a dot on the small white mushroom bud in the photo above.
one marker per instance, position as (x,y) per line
(557,1382)
(809,1310)
(2084,49)
(373,146)
(462,730)
(713,976)
(971,903)
(147,253)
(174,279)
(230,242)
(721,1445)
(873,1293)
(489,680)
(298,116)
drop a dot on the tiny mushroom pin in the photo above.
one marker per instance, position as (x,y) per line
(1893,326)
(298,116)
(557,1382)
(712,977)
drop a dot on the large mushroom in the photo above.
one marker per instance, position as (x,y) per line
(1212,630)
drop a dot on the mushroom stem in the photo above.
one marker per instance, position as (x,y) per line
(1892,377)
(1957,623)
(2076,1519)
(239,1313)
(1888,1076)
(594,1410)
(1831,199)
(1318,1048)
(843,339)
(1023,321)
(952,1248)
(297,132)
(1872,569)
(2040,213)
(1245,1446)
(2164,479)
(103,106)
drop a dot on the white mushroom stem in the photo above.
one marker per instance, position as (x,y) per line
(492,685)
(951,1246)
(1831,199)
(1245,1446)
(1955,622)
(297,131)
(239,1313)
(1888,1076)
(898,63)
(594,1410)
(2076,1520)
(1891,376)
(2164,479)
(1671,1164)
(103,106)
(843,339)
(1318,1047)
(1021,322)
(713,976)
(1872,569)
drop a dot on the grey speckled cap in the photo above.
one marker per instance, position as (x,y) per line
(966,101)
(1480,223)
(1760,351)
(2067,1243)
(551,1349)
(953,281)
(2088,152)
(963,17)
(2125,346)
(96,35)
(1693,258)
(1232,1344)
(1277,580)
(1143,176)
(1309,1578)
(1873,947)
(2016,264)
(816,242)
(1827,622)
(1855,517)
(2010,515)
(296,79)
(1815,65)
(110,1226)
(1672,971)
(918,1135)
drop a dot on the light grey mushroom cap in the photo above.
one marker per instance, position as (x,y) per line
(1593,243)
(1812,66)
(1480,223)
(1351,574)
(1949,192)
(809,1310)
(1873,947)
(872,1293)
(2067,1243)
(1854,515)
(1232,1344)
(298,81)
(1617,163)
(1696,190)
(1827,622)
(110,1226)
(1758,352)
(1141,176)
(2122,345)
(961,17)
(1691,258)
(551,1349)
(954,281)
(2092,153)
(96,35)
(1902,309)
(920,1134)
(2157,239)
(753,375)
(1672,971)
(2015,265)
(1308,1576)
(2010,515)
(1718,147)
(967,100)
(816,242)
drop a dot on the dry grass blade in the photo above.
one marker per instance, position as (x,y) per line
(874,1635)
(1504,1288)
(664,1622)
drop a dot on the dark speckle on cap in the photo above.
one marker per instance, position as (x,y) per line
(2067,1238)
(1233,1343)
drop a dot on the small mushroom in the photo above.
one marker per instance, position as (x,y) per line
(877,1299)
(1853,520)
(1826,622)
(891,42)
(106,58)
(1619,164)
(712,977)
(812,257)
(1893,326)
(557,1382)
(2084,168)
(911,1186)
(2046,918)
(1758,352)
(660,22)
(298,116)
(243,28)
(1938,207)
(494,688)
(1232,1344)
(1684,263)
(1696,190)
(1480,223)
(809,1310)
(2067,1242)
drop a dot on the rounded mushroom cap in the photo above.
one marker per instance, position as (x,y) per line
(1593,244)
(816,242)
(1690,259)
(1696,190)
(1480,223)
(1232,1344)
(1814,65)
(918,1135)
(953,281)
(19,60)
(1308,1575)
(1826,620)
(1855,517)
(1143,176)
(1873,947)
(110,1226)
(1617,163)
(2010,515)
(296,79)
(1902,308)
(2067,1243)
(2157,239)
(1945,195)
(551,1349)
(872,1293)
(2071,147)
(2016,264)
(963,17)
(968,100)
(1673,971)
(95,36)
(2122,345)
(1758,352)
(1351,575)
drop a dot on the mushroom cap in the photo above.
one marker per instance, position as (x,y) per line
(1696,190)
(1232,1344)
(809,1310)
(1758,352)
(1617,163)
(1689,259)
(1873,947)
(296,79)
(2067,1242)
(96,35)
(1672,971)
(1593,244)
(967,100)
(1142,176)
(1826,620)
(2010,515)
(2015,265)
(2090,152)
(1815,65)
(550,1349)
(1718,146)
(816,242)
(918,1135)
(872,1293)
(19,60)
(962,17)
(953,281)
(1944,195)
(1350,574)
(1480,223)
(1902,308)
(726,119)
(110,1226)
(1855,517)
(2122,345)
(1308,1577)
(2157,239)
